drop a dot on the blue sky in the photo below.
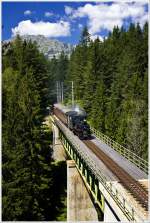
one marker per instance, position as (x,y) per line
(65,20)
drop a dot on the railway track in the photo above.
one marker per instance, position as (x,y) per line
(133,186)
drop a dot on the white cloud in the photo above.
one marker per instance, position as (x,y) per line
(47,29)
(68,10)
(94,37)
(48,14)
(142,20)
(80,26)
(27,12)
(104,16)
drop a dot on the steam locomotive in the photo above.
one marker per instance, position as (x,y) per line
(74,119)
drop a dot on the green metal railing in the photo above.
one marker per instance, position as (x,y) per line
(138,161)
(93,177)
(86,173)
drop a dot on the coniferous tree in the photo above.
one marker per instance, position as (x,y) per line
(26,170)
(111,83)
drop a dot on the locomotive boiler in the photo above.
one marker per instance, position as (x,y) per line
(74,119)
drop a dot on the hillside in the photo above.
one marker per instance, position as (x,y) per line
(49,47)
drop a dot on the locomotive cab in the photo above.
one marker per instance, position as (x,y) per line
(74,119)
(81,128)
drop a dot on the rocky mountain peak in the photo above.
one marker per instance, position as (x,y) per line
(49,47)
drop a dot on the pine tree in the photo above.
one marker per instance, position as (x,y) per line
(111,79)
(26,169)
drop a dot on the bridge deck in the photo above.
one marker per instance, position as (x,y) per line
(129,167)
(134,171)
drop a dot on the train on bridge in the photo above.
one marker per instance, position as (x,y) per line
(75,119)
(119,170)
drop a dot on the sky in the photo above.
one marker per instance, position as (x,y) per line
(65,20)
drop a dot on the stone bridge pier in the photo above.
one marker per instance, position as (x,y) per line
(80,203)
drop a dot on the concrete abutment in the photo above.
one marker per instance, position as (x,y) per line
(80,206)
(79,203)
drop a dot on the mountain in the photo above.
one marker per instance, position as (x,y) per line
(49,47)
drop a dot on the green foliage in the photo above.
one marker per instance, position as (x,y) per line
(28,180)
(110,80)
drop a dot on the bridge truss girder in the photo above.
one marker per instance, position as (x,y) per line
(96,183)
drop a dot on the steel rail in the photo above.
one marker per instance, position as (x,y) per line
(137,190)
(117,196)
(138,161)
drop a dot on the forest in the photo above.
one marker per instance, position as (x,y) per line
(33,185)
(111,84)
